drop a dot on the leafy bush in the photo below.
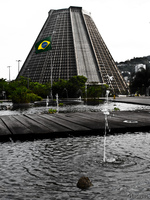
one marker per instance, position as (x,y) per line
(23,95)
(52,111)
(33,97)
(72,88)
(116,109)
(94,91)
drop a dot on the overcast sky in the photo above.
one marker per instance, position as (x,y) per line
(123,24)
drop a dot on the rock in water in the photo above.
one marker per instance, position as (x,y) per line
(84,183)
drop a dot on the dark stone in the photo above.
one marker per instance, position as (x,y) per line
(84,183)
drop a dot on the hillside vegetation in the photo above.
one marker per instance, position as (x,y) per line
(129,65)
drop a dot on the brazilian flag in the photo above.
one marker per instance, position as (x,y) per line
(43,45)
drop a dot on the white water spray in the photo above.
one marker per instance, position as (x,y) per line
(57,103)
(106,112)
(47,101)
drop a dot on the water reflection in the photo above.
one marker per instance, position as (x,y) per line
(50,169)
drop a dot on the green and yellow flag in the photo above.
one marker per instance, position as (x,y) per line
(43,45)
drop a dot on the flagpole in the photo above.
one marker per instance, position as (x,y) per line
(51,92)
(28,78)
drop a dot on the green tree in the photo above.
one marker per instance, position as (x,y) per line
(21,82)
(3,88)
(95,90)
(39,89)
(140,81)
(60,87)
(23,95)
(76,86)
(36,88)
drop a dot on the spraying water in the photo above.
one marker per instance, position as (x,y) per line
(106,112)
(57,103)
(47,101)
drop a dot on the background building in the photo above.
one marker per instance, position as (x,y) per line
(77,49)
(139,67)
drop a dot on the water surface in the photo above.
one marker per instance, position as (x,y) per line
(50,169)
(75,108)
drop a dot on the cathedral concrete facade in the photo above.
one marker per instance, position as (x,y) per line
(77,49)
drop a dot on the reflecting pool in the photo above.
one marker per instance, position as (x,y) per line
(50,169)
(74,108)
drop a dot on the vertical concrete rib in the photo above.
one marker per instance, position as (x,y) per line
(86,62)
(106,64)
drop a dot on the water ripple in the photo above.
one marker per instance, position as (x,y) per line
(50,169)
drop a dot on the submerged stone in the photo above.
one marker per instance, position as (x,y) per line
(84,183)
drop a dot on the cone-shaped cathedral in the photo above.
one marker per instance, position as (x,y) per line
(77,49)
